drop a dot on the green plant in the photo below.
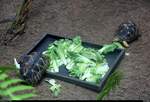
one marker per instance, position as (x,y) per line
(9,87)
(112,82)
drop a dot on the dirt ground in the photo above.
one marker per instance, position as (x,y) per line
(95,21)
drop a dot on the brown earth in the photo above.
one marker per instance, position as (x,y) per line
(95,21)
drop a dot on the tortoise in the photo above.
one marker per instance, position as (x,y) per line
(33,68)
(127,32)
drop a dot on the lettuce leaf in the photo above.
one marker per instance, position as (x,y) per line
(87,64)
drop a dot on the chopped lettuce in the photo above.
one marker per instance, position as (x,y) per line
(55,88)
(84,63)
(110,47)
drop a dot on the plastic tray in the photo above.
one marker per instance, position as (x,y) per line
(113,59)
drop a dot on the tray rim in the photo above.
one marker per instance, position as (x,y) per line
(98,87)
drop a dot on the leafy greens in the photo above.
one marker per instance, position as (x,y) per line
(55,88)
(84,63)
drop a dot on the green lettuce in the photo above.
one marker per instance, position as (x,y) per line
(86,64)
(55,88)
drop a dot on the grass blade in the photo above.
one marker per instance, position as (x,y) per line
(23,96)
(6,83)
(18,88)
(7,68)
(111,84)
(3,76)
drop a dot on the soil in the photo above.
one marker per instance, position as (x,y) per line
(95,21)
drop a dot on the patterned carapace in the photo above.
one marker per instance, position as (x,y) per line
(32,68)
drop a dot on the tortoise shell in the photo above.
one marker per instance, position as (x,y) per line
(32,68)
(127,32)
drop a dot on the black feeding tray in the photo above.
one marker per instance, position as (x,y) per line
(113,59)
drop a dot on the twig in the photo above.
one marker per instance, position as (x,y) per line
(18,26)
